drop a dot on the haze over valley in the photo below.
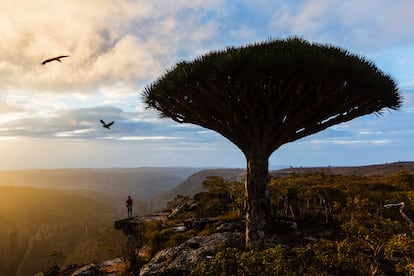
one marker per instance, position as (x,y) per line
(46,215)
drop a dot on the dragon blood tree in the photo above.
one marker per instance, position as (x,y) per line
(264,95)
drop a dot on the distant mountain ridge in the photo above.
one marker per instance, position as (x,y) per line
(193,184)
(386,169)
(157,185)
(143,183)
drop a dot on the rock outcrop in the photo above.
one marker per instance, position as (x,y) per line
(181,259)
(115,267)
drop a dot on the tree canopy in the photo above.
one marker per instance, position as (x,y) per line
(275,91)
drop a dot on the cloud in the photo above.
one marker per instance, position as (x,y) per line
(351,142)
(6,108)
(133,42)
(146,138)
(83,124)
(108,41)
(368,24)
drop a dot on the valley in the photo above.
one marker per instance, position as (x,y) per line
(66,216)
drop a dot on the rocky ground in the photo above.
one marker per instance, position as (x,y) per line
(178,260)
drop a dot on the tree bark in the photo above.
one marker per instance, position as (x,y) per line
(257,203)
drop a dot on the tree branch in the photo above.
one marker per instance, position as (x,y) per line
(401,205)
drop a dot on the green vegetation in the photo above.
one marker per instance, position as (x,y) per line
(342,226)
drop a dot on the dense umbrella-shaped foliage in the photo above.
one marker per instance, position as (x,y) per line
(264,95)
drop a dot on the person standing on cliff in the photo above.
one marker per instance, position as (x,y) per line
(129,202)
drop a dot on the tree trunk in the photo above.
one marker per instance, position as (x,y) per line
(257,203)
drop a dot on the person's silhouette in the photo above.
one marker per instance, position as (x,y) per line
(129,202)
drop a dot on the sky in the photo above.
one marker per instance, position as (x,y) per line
(49,114)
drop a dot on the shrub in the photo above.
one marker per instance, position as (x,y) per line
(231,261)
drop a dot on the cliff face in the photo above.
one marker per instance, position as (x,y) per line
(39,227)
(27,250)
(181,259)
(177,260)
(51,241)
(14,238)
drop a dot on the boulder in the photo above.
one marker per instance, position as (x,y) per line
(199,223)
(181,259)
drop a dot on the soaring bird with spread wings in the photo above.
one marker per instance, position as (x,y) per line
(107,125)
(52,59)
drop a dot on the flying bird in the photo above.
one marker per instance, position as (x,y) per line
(107,125)
(52,59)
